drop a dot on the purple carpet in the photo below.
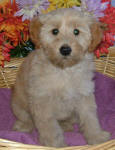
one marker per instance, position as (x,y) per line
(105,98)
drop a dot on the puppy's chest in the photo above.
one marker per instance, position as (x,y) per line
(62,84)
(65,84)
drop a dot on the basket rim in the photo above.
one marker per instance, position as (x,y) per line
(11,144)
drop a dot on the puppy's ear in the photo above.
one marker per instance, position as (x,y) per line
(97,34)
(35,27)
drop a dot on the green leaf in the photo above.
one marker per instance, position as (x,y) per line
(22,50)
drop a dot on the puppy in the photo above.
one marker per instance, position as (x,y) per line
(55,81)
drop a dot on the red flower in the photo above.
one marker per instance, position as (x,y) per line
(12,26)
(108,38)
(4,49)
(12,29)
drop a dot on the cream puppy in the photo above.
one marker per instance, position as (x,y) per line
(55,81)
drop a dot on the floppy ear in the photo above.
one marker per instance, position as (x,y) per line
(97,34)
(34,29)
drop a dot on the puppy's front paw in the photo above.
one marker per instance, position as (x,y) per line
(22,127)
(98,138)
(58,142)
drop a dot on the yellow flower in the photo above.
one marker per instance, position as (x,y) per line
(54,4)
(3,2)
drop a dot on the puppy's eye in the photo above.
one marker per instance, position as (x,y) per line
(76,31)
(55,31)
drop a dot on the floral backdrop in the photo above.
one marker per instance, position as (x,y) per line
(15,16)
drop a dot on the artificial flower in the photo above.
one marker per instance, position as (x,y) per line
(30,8)
(3,2)
(1,44)
(109,34)
(12,30)
(93,7)
(12,26)
(5,48)
(55,4)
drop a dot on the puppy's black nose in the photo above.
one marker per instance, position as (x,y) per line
(65,50)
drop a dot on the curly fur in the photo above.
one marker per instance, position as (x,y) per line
(52,90)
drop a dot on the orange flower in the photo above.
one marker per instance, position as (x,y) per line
(12,30)
(12,26)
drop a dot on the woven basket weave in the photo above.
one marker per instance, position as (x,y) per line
(10,145)
(105,65)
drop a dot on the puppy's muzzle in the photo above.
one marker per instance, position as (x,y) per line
(65,50)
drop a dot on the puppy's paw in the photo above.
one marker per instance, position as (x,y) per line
(22,127)
(52,143)
(52,139)
(98,138)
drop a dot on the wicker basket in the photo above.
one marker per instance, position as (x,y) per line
(105,65)
(10,145)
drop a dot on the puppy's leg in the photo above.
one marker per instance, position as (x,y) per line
(50,133)
(67,125)
(48,127)
(23,126)
(89,123)
(23,122)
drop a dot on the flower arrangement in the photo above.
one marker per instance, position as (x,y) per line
(13,31)
(15,16)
